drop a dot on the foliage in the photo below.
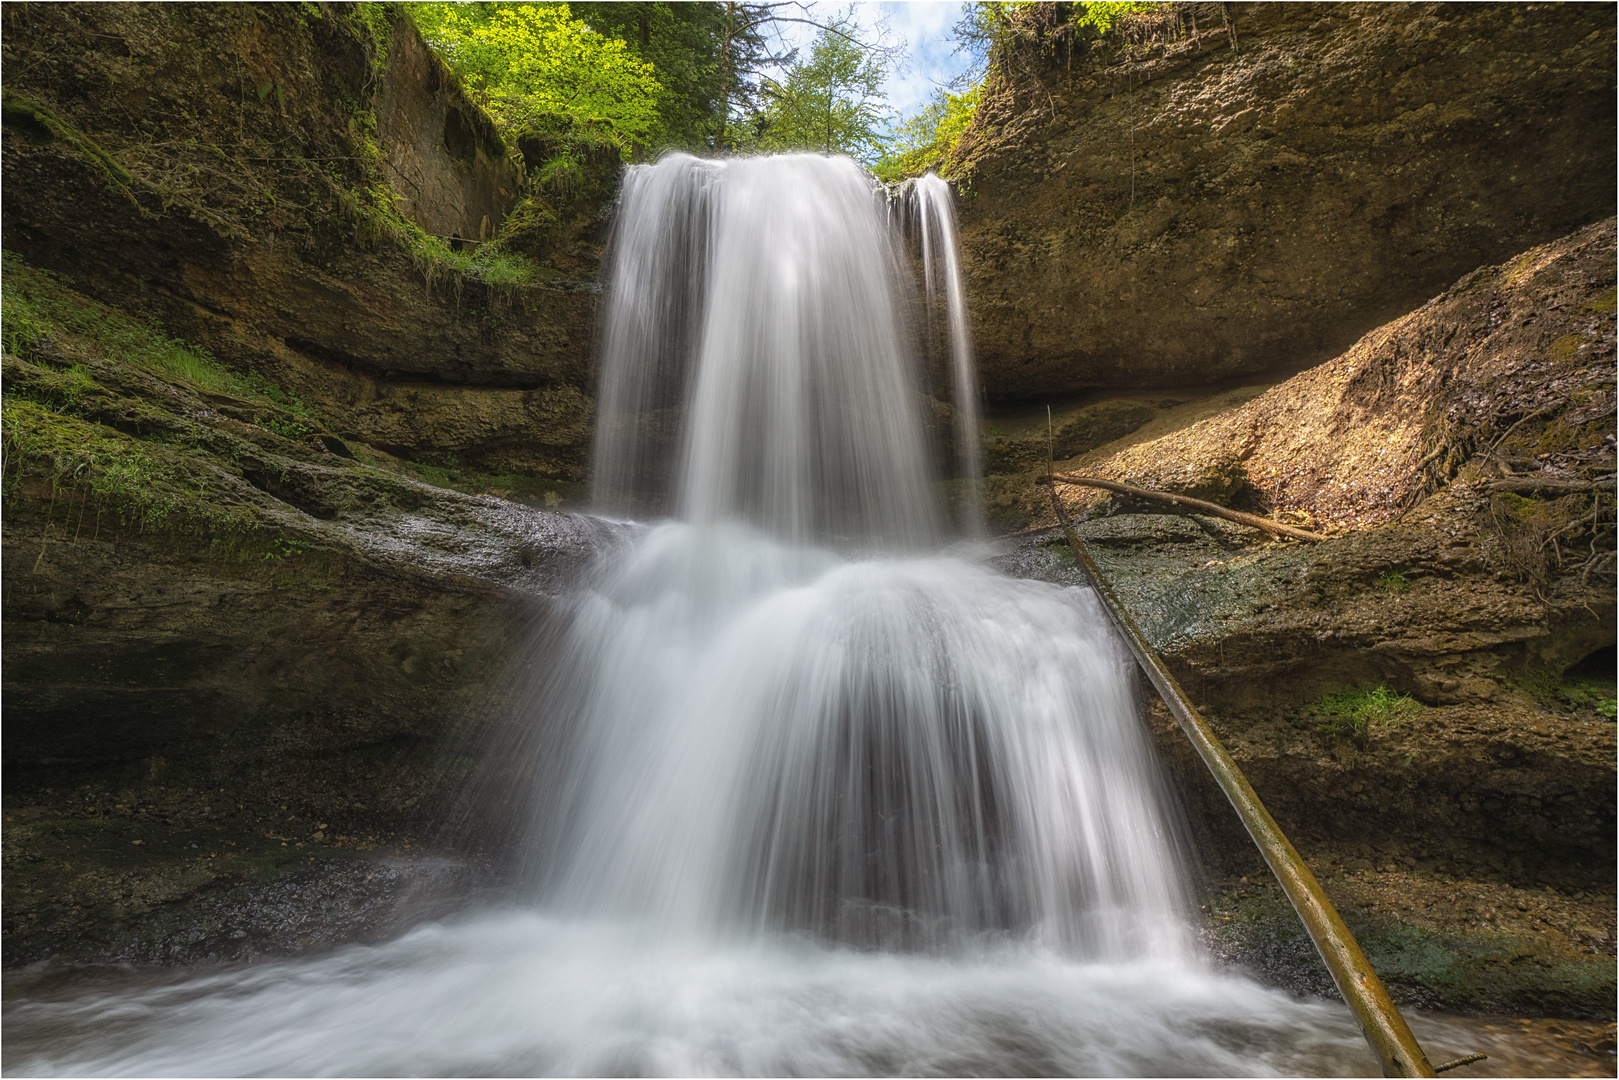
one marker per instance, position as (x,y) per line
(376,212)
(831,102)
(376,19)
(1394,581)
(25,112)
(1569,690)
(40,306)
(530,63)
(1359,714)
(1103,17)
(929,139)
(1007,38)
(990,29)
(682,42)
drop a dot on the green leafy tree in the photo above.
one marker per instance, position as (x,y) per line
(929,139)
(532,64)
(683,43)
(744,55)
(830,102)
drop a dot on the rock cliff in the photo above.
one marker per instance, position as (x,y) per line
(284,185)
(1257,194)
(242,666)
(1425,700)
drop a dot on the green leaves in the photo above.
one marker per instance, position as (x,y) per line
(929,139)
(1358,714)
(832,102)
(530,63)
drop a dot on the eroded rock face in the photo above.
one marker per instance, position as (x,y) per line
(223,168)
(1191,212)
(1514,362)
(442,156)
(290,600)
(243,687)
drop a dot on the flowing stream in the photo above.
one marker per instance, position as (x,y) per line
(813,791)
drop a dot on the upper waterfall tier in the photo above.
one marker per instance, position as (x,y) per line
(757,364)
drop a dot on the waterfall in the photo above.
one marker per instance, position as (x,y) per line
(806,787)
(789,708)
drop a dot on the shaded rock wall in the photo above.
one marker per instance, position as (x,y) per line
(1186,212)
(442,156)
(1464,457)
(1424,700)
(286,603)
(244,669)
(225,169)
(1472,432)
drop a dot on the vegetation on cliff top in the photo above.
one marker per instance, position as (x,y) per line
(529,63)
(707,77)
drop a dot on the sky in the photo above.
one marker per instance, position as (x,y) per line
(930,57)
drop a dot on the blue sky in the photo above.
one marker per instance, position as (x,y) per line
(924,26)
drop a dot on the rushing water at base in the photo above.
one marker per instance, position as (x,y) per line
(809,794)
(521,993)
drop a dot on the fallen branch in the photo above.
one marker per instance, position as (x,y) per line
(1430,459)
(1275,528)
(1385,1029)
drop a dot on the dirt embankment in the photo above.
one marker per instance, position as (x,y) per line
(1256,198)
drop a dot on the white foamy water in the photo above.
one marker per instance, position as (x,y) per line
(890,751)
(802,790)
(521,993)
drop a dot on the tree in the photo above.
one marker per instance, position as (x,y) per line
(745,56)
(831,102)
(928,140)
(530,64)
(682,41)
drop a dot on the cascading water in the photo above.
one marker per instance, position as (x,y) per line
(809,791)
(792,716)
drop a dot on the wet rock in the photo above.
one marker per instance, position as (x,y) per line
(236,661)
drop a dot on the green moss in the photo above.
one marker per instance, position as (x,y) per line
(1565,346)
(1604,303)
(1558,434)
(518,487)
(1466,971)
(40,306)
(377,218)
(376,22)
(142,483)
(1521,506)
(19,110)
(1557,689)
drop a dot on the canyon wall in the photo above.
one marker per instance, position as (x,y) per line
(238,173)
(1259,193)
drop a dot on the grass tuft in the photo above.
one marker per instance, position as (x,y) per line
(1358,714)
